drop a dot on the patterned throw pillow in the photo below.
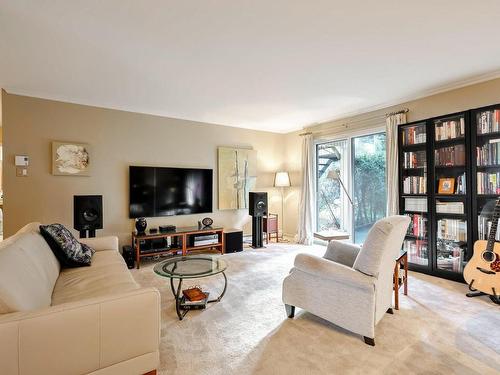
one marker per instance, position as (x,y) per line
(65,246)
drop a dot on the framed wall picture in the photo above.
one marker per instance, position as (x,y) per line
(446,185)
(70,159)
(237,171)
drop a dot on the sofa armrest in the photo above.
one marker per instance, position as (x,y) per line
(342,252)
(327,269)
(101,243)
(88,335)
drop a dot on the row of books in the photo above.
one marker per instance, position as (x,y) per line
(418,226)
(489,154)
(450,129)
(452,229)
(444,207)
(415,185)
(414,135)
(484,226)
(488,122)
(488,183)
(414,159)
(416,204)
(450,156)
(417,251)
(450,263)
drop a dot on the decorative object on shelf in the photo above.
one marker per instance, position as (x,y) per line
(482,272)
(237,176)
(141,225)
(207,222)
(70,159)
(446,185)
(282,180)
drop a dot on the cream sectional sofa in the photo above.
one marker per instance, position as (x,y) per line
(87,320)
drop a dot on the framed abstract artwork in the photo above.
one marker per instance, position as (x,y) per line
(237,172)
(70,159)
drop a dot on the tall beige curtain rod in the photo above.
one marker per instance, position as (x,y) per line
(347,123)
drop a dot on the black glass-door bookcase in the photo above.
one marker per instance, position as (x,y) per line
(486,168)
(449,180)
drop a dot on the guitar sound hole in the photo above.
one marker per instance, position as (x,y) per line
(488,256)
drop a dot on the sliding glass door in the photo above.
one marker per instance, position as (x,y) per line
(356,164)
(331,204)
(368,183)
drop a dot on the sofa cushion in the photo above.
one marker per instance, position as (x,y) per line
(107,275)
(65,246)
(28,271)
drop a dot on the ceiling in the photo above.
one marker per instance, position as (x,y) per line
(274,65)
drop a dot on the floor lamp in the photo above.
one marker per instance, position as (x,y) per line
(282,180)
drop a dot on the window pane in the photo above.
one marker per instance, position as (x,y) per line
(331,200)
(369,188)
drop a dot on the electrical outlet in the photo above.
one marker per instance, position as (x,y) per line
(21,172)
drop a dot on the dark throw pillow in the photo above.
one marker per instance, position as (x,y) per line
(68,251)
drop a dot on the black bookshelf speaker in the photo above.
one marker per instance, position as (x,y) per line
(87,214)
(257,202)
(233,240)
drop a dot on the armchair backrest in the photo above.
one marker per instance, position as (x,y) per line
(382,245)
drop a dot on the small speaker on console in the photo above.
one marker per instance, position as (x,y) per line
(257,202)
(233,240)
(87,214)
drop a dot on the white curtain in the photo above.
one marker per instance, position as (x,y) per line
(392,123)
(306,207)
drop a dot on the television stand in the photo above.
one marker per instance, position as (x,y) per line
(182,234)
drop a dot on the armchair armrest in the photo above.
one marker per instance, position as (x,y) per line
(342,252)
(90,334)
(327,269)
(101,243)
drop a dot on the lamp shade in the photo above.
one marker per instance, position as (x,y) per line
(333,175)
(281,179)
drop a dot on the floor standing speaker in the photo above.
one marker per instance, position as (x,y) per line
(257,209)
(233,240)
(129,256)
(87,214)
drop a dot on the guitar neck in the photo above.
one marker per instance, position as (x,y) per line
(494,226)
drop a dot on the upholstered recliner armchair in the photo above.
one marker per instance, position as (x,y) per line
(350,286)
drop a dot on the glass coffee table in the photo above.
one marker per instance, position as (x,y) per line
(190,267)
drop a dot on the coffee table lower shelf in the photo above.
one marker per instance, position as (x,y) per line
(180,309)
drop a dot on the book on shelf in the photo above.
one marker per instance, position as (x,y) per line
(450,129)
(460,184)
(489,153)
(416,204)
(417,251)
(414,159)
(415,185)
(488,183)
(450,156)
(418,226)
(484,227)
(414,135)
(443,207)
(452,229)
(488,121)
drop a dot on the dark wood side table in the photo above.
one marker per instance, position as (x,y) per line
(271,226)
(401,260)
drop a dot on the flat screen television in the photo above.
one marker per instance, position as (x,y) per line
(157,191)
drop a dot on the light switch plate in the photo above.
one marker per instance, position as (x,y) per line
(22,161)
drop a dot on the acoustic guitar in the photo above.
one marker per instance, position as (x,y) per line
(482,272)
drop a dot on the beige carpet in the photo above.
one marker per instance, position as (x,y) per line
(436,331)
